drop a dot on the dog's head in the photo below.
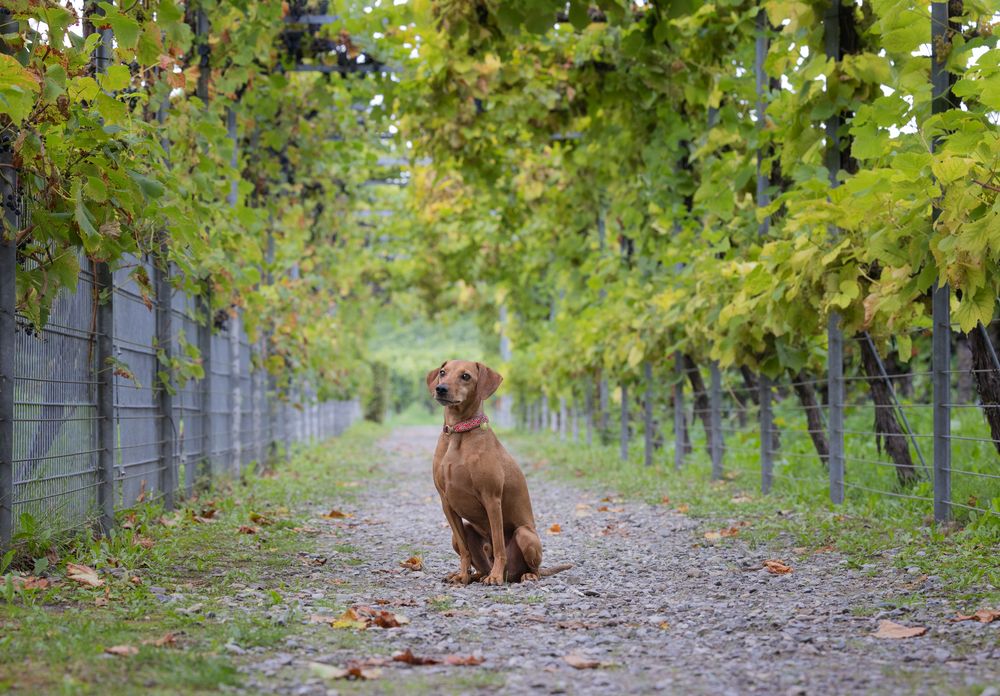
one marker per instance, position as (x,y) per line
(460,382)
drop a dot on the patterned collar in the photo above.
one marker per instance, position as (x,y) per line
(479,421)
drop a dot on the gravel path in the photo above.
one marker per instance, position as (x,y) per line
(659,607)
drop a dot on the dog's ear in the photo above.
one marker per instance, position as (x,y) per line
(432,375)
(487,382)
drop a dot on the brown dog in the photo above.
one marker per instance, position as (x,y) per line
(483,491)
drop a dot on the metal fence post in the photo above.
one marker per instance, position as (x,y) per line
(165,399)
(766,428)
(835,389)
(8,324)
(648,415)
(715,417)
(204,304)
(623,434)
(679,446)
(940,304)
(235,387)
(835,340)
(105,396)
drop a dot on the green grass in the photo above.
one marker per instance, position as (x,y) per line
(53,641)
(796,513)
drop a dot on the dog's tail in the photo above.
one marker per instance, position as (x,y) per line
(546,572)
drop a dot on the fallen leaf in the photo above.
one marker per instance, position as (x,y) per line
(664,625)
(263,521)
(574,624)
(386,619)
(321,618)
(353,670)
(740,499)
(30,582)
(605,508)
(135,580)
(170,521)
(409,658)
(167,639)
(208,513)
(713,536)
(143,541)
(129,521)
(890,629)
(982,616)
(84,575)
(464,660)
(413,563)
(665,499)
(305,530)
(555,529)
(777,567)
(101,601)
(578,661)
(682,508)
(247,529)
(122,650)
(336,515)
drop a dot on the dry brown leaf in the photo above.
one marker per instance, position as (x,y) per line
(143,541)
(85,575)
(336,515)
(777,567)
(413,563)
(321,618)
(409,658)
(578,661)
(129,521)
(30,582)
(682,508)
(665,499)
(101,601)
(247,529)
(353,670)
(555,529)
(135,580)
(464,660)
(262,520)
(170,521)
(890,629)
(167,639)
(982,616)
(122,650)
(713,536)
(605,508)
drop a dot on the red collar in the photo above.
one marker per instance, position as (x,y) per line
(479,421)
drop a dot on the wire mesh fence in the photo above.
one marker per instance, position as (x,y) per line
(224,423)
(882,438)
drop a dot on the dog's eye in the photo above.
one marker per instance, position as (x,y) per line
(441,373)
(466,377)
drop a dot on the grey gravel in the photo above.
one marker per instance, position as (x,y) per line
(662,609)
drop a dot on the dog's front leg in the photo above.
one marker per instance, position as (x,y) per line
(463,576)
(494,510)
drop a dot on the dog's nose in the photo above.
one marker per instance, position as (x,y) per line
(441,389)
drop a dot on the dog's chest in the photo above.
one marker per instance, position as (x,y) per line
(461,482)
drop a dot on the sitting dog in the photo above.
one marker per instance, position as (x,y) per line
(483,491)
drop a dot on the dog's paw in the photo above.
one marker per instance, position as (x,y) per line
(529,577)
(493,579)
(459,578)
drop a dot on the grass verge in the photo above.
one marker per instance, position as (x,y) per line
(160,583)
